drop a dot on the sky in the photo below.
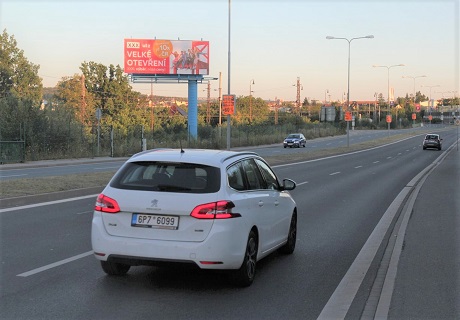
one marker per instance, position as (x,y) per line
(271,43)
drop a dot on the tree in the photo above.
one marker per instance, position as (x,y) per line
(71,96)
(18,76)
(111,92)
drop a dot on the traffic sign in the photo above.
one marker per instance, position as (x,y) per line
(228,104)
(388,118)
(414,116)
(348,116)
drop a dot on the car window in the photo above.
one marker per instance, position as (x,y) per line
(268,174)
(235,177)
(168,177)
(253,175)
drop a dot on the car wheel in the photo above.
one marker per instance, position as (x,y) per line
(424,148)
(285,147)
(244,276)
(304,145)
(289,247)
(439,148)
(114,268)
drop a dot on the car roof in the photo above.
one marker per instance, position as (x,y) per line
(202,156)
(432,134)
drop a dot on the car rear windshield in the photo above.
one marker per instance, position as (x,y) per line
(168,177)
(431,137)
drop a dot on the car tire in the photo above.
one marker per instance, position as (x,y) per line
(304,145)
(114,268)
(244,276)
(424,148)
(439,148)
(284,147)
(289,247)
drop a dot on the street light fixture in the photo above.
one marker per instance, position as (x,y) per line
(429,101)
(250,100)
(348,83)
(388,68)
(410,77)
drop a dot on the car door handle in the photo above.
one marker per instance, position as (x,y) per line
(261,203)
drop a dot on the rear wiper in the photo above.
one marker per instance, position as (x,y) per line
(167,187)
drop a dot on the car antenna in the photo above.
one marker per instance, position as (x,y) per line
(181,150)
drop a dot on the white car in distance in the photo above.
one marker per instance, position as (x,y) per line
(216,209)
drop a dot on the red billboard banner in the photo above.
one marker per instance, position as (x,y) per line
(147,56)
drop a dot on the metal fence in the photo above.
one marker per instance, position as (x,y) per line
(106,141)
(12,151)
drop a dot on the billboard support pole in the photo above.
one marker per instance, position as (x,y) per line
(229,42)
(193,109)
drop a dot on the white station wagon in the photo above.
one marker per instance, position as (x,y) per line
(216,209)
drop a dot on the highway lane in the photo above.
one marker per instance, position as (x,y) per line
(58,168)
(340,199)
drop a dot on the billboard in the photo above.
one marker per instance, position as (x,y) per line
(147,56)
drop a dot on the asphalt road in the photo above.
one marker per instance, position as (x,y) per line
(48,272)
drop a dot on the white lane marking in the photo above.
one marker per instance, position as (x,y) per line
(55,264)
(301,183)
(334,173)
(13,175)
(84,212)
(47,203)
(376,162)
(358,167)
(340,301)
(105,168)
(389,157)
(399,154)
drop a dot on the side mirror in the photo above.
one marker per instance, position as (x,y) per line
(288,184)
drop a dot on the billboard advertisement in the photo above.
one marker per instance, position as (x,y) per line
(147,56)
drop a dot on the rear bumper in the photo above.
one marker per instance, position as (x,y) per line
(221,249)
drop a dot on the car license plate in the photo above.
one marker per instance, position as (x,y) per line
(154,221)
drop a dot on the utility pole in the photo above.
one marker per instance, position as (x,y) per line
(297,102)
(151,108)
(276,110)
(220,99)
(208,108)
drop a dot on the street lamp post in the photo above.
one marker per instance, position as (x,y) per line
(348,82)
(410,77)
(250,100)
(430,94)
(388,68)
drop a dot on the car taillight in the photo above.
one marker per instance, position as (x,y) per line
(215,210)
(106,204)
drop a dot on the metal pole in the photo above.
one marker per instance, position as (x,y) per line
(348,93)
(228,116)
